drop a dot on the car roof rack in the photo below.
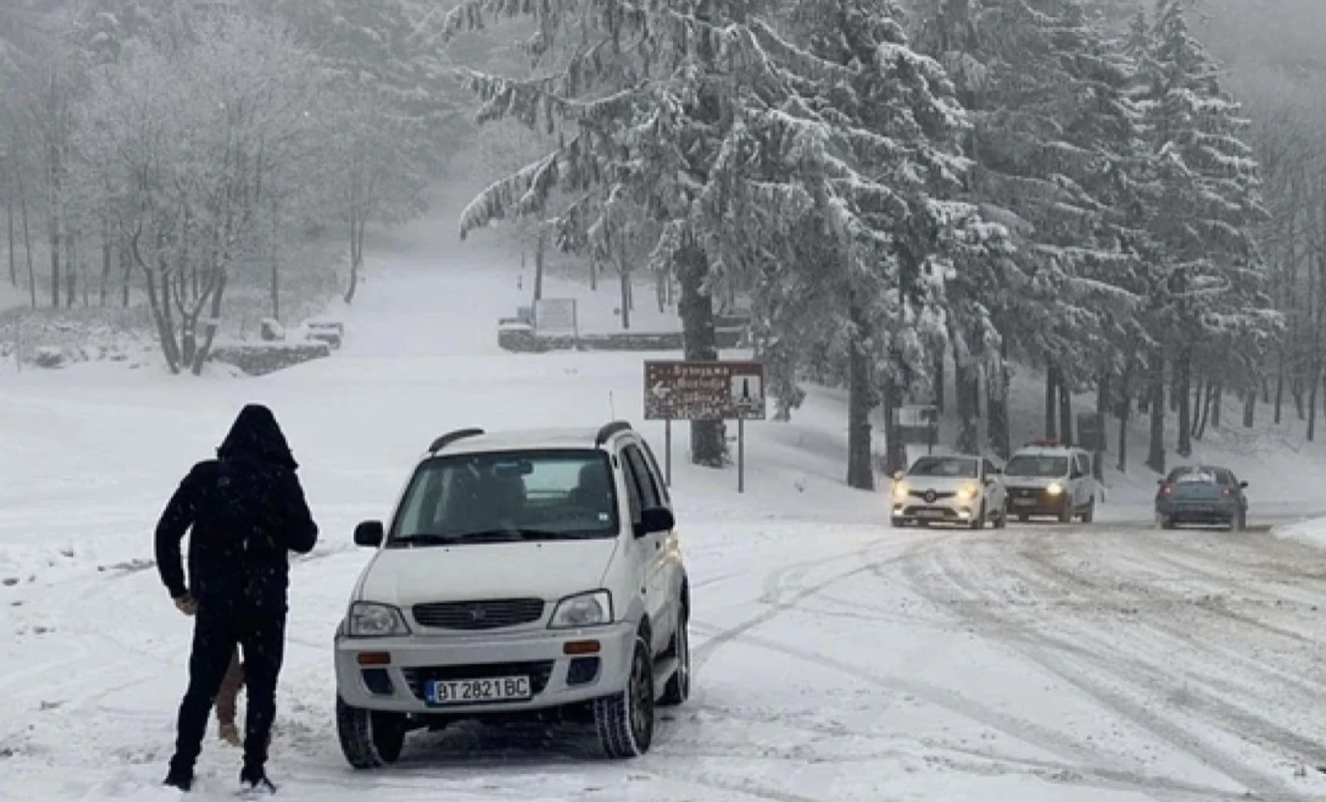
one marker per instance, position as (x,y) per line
(610,429)
(451,437)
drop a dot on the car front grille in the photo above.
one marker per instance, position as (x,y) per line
(538,671)
(479,615)
(928,494)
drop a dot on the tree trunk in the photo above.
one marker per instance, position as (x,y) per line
(967,396)
(13,255)
(275,268)
(53,226)
(356,255)
(1051,394)
(1198,391)
(127,263)
(938,368)
(70,268)
(1249,409)
(205,350)
(27,241)
(106,248)
(1155,459)
(860,472)
(1123,411)
(696,306)
(1183,394)
(626,293)
(540,254)
(895,451)
(1312,400)
(1065,410)
(661,290)
(996,408)
(1280,388)
(1217,403)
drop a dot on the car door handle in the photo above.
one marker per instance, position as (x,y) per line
(658,544)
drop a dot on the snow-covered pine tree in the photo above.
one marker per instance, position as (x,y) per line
(868,152)
(645,100)
(1055,140)
(1214,312)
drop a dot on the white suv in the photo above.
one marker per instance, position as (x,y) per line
(526,573)
(1046,478)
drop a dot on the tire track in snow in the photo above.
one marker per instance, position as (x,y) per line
(968,574)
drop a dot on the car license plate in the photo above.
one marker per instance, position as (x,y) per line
(929,513)
(1024,502)
(477,691)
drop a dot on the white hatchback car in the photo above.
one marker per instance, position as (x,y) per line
(524,574)
(952,488)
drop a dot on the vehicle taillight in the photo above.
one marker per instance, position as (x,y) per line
(1226,491)
(1165,490)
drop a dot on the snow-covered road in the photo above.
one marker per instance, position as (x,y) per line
(833,662)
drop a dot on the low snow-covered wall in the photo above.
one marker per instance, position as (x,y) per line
(261,358)
(518,336)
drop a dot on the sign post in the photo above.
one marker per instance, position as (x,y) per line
(705,390)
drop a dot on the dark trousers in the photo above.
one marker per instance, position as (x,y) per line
(261,636)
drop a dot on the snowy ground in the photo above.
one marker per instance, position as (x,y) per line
(837,659)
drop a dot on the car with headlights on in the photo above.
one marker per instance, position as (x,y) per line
(952,488)
(1202,494)
(523,574)
(1046,478)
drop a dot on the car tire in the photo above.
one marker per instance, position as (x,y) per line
(1239,522)
(678,689)
(1066,512)
(1166,522)
(1002,520)
(1090,514)
(978,521)
(625,721)
(369,739)
(898,523)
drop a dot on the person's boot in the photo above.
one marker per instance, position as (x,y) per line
(253,780)
(178,777)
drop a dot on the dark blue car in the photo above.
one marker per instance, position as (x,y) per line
(1202,494)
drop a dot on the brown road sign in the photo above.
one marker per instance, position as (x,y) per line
(704,390)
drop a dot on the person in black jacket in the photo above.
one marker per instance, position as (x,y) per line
(247,512)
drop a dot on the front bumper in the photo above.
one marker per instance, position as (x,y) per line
(942,510)
(399,682)
(1035,501)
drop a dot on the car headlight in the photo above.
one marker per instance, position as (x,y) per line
(372,620)
(899,491)
(1054,489)
(584,610)
(968,492)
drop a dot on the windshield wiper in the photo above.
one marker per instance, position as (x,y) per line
(507,535)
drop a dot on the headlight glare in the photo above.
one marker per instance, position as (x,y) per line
(1054,489)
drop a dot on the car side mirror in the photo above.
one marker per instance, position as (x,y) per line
(369,534)
(898,476)
(655,519)
(1160,481)
(1243,484)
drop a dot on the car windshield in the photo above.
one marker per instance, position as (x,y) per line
(1036,465)
(508,496)
(960,467)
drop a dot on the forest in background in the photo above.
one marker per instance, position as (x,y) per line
(1133,204)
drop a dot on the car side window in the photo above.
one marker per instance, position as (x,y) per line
(1083,469)
(648,488)
(632,490)
(989,468)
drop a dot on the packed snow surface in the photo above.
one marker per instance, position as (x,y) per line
(836,658)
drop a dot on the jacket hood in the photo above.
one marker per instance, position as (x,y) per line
(256,434)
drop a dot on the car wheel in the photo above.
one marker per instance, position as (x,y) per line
(1002,520)
(678,689)
(898,523)
(1239,522)
(369,739)
(1066,512)
(625,721)
(1090,514)
(978,521)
